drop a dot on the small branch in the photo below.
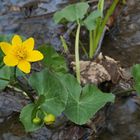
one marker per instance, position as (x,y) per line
(126,92)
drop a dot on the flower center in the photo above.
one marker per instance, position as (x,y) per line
(21,54)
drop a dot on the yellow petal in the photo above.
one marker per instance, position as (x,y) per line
(34,56)
(6,47)
(29,44)
(24,66)
(16,40)
(10,60)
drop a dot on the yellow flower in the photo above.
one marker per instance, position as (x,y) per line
(20,53)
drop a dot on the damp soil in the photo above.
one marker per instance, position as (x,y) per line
(118,121)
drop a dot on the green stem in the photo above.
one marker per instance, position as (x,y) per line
(94,44)
(77,53)
(4,79)
(83,48)
(90,44)
(81,45)
(64,44)
(100,27)
(15,75)
(108,14)
(45,113)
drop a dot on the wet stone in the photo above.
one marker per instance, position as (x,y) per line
(123,121)
(8,136)
(10,103)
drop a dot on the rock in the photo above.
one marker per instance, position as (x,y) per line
(103,69)
(92,72)
(123,121)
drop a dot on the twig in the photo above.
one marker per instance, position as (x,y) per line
(126,92)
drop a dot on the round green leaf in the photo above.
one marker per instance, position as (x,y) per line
(72,12)
(27,120)
(53,60)
(91,21)
(49,85)
(82,105)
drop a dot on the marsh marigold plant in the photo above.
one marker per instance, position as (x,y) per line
(20,53)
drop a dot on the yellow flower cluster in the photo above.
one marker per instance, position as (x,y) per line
(20,53)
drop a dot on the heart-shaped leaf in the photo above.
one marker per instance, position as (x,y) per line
(83,103)
(50,86)
(5,73)
(53,60)
(90,21)
(26,118)
(136,76)
(72,12)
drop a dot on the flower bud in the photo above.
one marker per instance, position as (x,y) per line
(49,119)
(36,120)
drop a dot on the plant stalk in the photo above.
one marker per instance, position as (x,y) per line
(77,61)
(101,27)
(4,79)
(108,14)
(90,44)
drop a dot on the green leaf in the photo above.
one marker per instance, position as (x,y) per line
(64,44)
(72,12)
(19,73)
(83,103)
(136,76)
(40,101)
(91,21)
(6,38)
(53,60)
(1,59)
(26,118)
(50,86)
(5,73)
(36,110)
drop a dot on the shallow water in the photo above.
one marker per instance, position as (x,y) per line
(32,18)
